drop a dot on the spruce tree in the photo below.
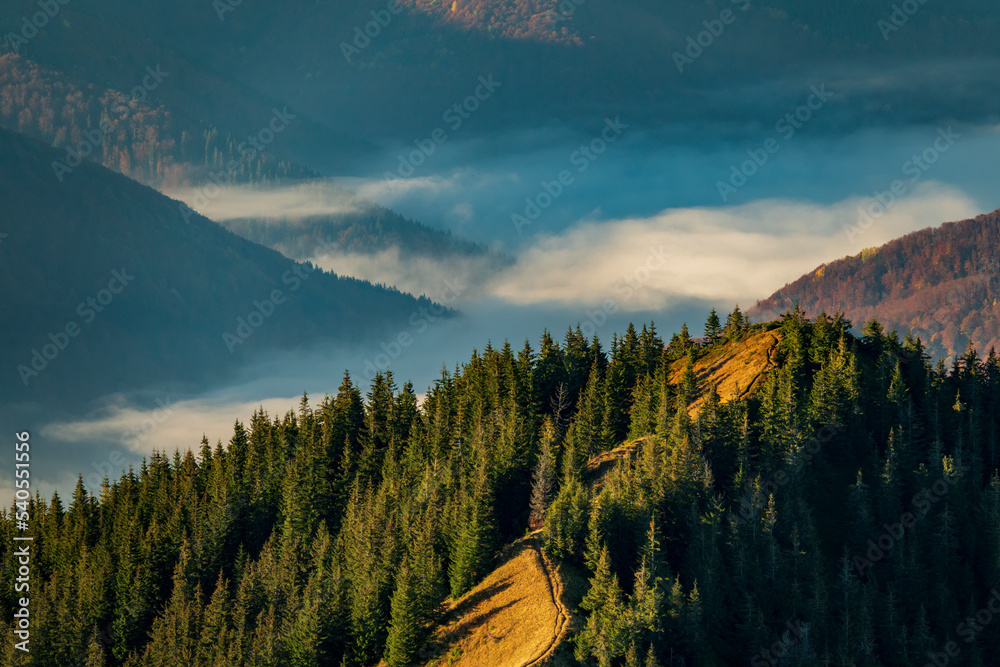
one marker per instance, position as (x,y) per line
(605,636)
(216,631)
(735,324)
(404,628)
(543,478)
(473,546)
(95,652)
(713,328)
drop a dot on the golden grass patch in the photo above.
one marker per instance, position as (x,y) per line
(735,368)
(514,618)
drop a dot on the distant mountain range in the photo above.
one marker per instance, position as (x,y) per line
(349,69)
(362,227)
(111,287)
(168,141)
(143,131)
(941,284)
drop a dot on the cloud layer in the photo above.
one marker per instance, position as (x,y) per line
(290,202)
(742,253)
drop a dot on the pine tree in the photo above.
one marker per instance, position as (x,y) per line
(175,633)
(735,324)
(632,656)
(589,419)
(651,660)
(685,338)
(605,636)
(216,628)
(549,371)
(648,597)
(713,328)
(404,630)
(304,640)
(95,652)
(566,520)
(543,478)
(430,586)
(473,547)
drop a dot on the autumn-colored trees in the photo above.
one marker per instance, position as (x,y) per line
(140,139)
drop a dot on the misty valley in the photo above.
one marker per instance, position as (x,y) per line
(531,333)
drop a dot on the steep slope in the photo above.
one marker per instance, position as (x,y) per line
(385,250)
(516,617)
(735,369)
(942,284)
(139,126)
(113,287)
(362,227)
(508,620)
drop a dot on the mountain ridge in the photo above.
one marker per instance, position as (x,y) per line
(939,283)
(193,283)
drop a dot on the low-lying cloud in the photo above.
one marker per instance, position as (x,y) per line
(742,253)
(292,202)
(417,274)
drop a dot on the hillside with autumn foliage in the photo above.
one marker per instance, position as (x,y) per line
(536,20)
(144,139)
(568,59)
(941,284)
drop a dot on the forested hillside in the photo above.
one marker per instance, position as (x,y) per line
(182,284)
(940,284)
(846,512)
(557,58)
(538,20)
(367,228)
(151,137)
(132,133)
